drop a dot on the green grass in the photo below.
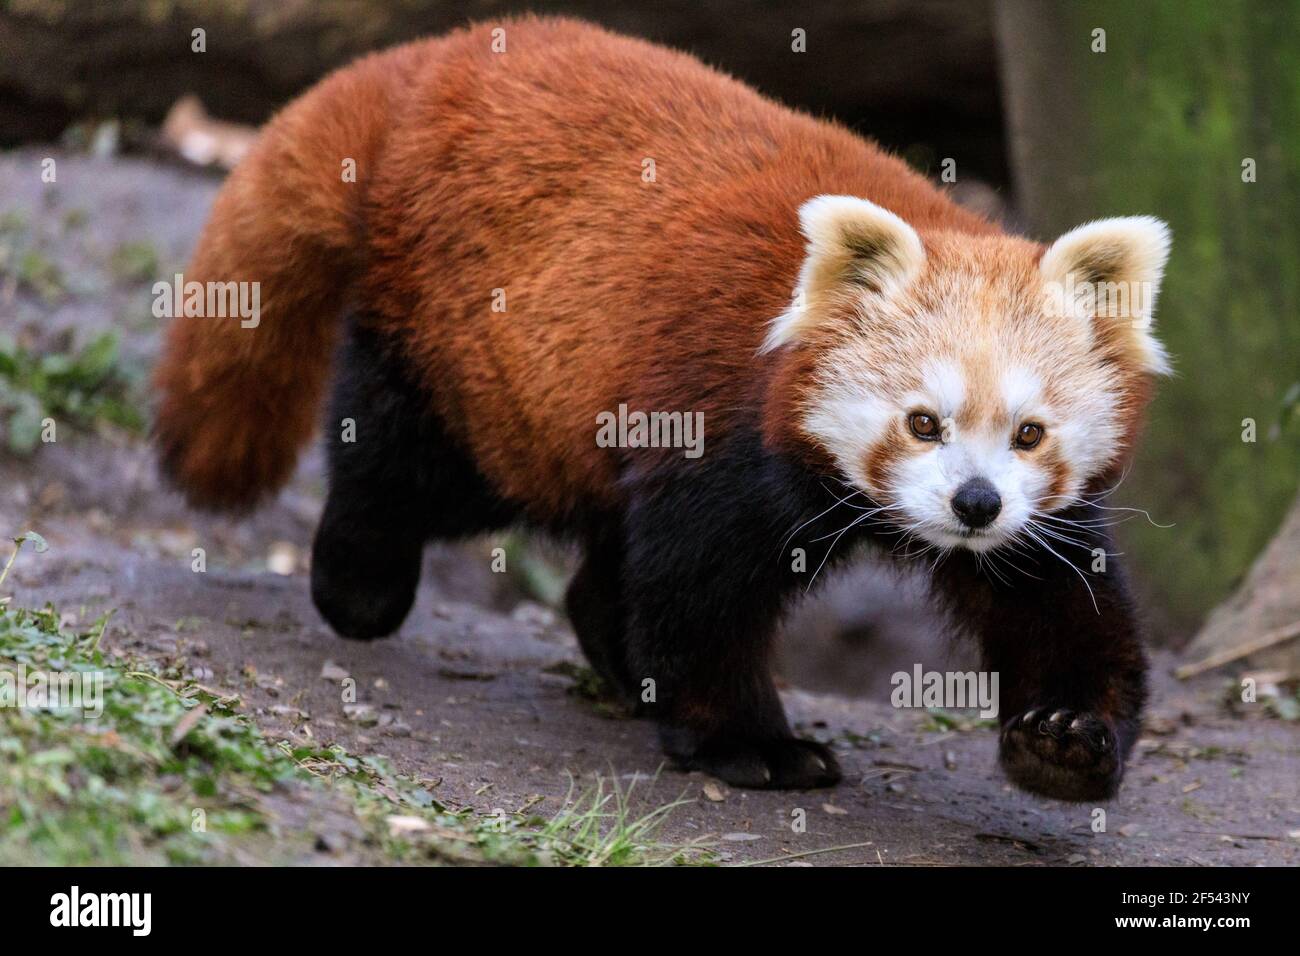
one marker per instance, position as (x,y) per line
(133,262)
(172,772)
(22,263)
(81,388)
(77,385)
(939,720)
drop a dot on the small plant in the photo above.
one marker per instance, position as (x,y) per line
(24,264)
(939,720)
(37,542)
(598,828)
(589,686)
(133,262)
(82,388)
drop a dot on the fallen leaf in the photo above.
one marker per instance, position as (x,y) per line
(331,671)
(398,825)
(362,714)
(1160,726)
(186,723)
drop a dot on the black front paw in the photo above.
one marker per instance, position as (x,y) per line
(360,595)
(1061,753)
(783,763)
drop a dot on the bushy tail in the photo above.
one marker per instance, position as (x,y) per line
(237,401)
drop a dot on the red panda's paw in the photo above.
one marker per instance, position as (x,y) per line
(1063,754)
(362,582)
(788,763)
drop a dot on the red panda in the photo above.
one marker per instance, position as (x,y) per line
(548,225)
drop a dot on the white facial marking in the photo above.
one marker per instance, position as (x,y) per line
(926,484)
(1020,388)
(942,392)
(852,416)
(848,421)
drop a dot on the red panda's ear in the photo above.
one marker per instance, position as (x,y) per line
(852,243)
(1109,272)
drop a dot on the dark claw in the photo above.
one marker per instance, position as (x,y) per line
(1062,753)
(788,763)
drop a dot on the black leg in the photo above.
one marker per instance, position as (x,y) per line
(1072,674)
(704,588)
(395,481)
(594,603)
(365,565)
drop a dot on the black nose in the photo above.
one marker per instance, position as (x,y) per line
(976,502)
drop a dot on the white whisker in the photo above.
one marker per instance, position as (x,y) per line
(1093,597)
(780,551)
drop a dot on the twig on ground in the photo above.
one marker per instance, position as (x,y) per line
(1271,639)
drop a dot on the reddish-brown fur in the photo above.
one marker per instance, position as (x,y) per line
(482,174)
(519,171)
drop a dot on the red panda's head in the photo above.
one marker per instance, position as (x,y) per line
(967,383)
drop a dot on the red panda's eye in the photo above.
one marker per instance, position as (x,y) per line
(925,427)
(1029,435)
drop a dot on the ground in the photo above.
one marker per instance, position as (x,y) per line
(480,697)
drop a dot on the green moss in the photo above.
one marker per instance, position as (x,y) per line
(1183,94)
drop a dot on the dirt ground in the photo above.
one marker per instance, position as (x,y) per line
(473,692)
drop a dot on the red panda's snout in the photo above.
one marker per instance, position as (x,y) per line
(976,503)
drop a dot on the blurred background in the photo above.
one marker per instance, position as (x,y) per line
(1053,113)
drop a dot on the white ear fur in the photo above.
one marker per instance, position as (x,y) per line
(851,241)
(1109,271)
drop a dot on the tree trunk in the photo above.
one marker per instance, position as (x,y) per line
(1162,123)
